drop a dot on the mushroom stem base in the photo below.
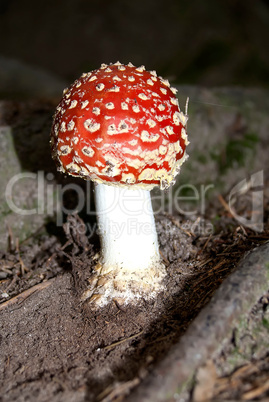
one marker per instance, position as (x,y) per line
(130,266)
(125,288)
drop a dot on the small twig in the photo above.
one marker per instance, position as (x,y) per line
(10,240)
(177,224)
(224,204)
(122,341)
(201,301)
(17,250)
(244,230)
(20,298)
(167,263)
(112,391)
(212,271)
(256,392)
(202,263)
(15,277)
(53,255)
(205,245)
(23,267)
(118,306)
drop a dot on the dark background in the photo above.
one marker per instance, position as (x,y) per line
(204,42)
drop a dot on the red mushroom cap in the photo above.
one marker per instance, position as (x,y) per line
(120,125)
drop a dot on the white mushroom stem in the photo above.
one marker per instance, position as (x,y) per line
(129,243)
(126,227)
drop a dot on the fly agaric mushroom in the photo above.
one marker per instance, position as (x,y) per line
(121,127)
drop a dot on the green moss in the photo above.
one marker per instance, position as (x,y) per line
(235,357)
(186,385)
(236,152)
(265,323)
(4,210)
(201,158)
(242,325)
